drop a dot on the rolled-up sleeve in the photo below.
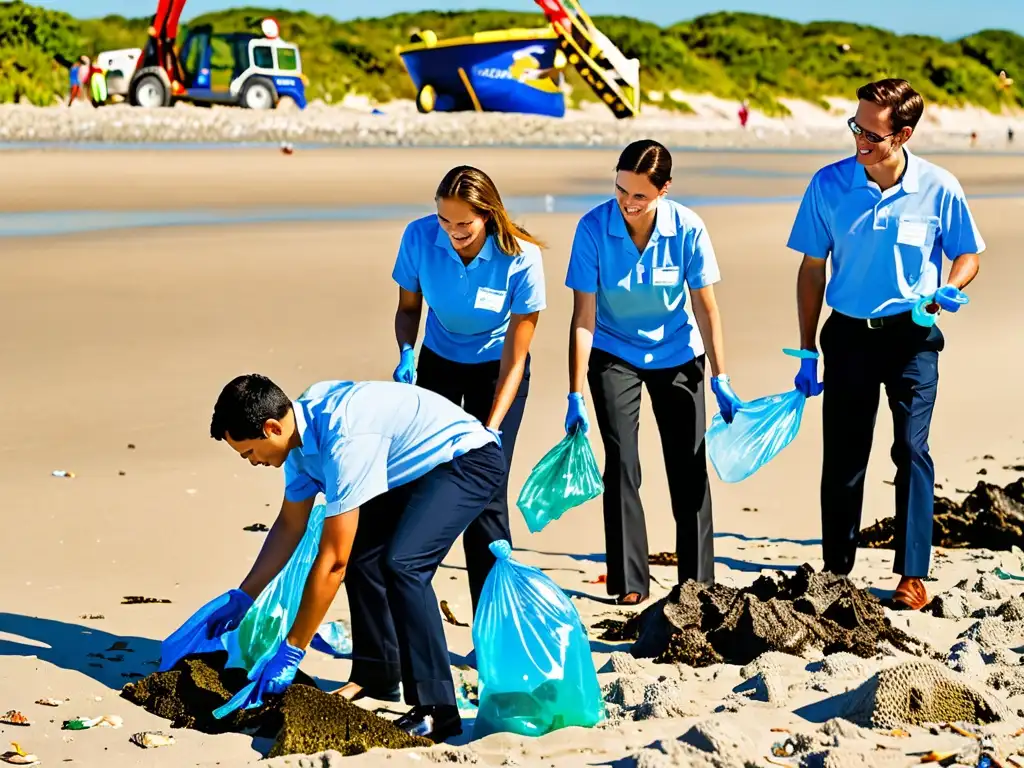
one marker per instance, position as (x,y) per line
(298,486)
(355,471)
(528,290)
(810,234)
(702,264)
(582,274)
(960,233)
(407,265)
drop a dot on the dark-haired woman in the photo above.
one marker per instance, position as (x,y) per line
(483,280)
(635,260)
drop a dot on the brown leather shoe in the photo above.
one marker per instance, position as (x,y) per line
(633,598)
(910,594)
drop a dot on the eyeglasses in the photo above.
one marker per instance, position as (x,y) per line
(874,138)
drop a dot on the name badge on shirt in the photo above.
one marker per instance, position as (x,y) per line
(913,232)
(490,299)
(665,276)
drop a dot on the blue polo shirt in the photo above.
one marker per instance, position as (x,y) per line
(643,305)
(885,247)
(360,439)
(469,306)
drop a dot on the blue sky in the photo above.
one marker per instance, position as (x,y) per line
(943,18)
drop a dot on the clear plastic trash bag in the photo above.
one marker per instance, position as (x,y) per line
(760,429)
(565,477)
(268,621)
(536,674)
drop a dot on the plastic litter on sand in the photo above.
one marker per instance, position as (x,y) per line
(152,739)
(85,723)
(18,756)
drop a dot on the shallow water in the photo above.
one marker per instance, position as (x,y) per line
(44,223)
(47,223)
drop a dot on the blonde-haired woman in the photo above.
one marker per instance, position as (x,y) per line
(482,278)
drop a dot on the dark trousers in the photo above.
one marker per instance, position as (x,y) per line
(904,357)
(472,387)
(677,398)
(402,538)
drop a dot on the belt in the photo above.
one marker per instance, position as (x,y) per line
(876,323)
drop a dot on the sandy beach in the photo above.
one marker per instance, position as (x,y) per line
(116,343)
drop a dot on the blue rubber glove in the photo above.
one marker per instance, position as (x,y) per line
(202,632)
(728,402)
(230,615)
(576,415)
(807,379)
(275,677)
(406,370)
(950,298)
(496,433)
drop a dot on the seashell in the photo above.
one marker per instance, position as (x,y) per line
(50,702)
(14,718)
(151,739)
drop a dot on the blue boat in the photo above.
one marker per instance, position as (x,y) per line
(510,70)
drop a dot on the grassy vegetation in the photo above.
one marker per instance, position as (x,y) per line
(733,55)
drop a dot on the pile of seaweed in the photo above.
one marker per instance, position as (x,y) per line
(700,625)
(302,720)
(990,517)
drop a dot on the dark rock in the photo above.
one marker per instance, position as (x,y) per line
(315,721)
(701,625)
(990,517)
(303,719)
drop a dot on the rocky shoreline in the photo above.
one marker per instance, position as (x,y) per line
(400,125)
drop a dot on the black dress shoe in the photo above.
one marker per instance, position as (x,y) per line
(437,723)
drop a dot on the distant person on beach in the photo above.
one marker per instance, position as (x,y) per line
(482,277)
(642,272)
(78,79)
(744,113)
(884,217)
(404,472)
(81,80)
(73,84)
(1009,134)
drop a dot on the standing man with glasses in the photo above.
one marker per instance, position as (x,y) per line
(884,218)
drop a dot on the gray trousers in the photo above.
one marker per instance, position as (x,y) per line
(677,399)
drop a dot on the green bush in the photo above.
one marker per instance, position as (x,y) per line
(731,55)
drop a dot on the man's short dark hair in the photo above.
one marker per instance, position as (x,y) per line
(906,103)
(245,405)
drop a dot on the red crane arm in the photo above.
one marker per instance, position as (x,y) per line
(556,13)
(168,14)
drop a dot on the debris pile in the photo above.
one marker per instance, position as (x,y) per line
(303,720)
(919,691)
(989,517)
(700,625)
